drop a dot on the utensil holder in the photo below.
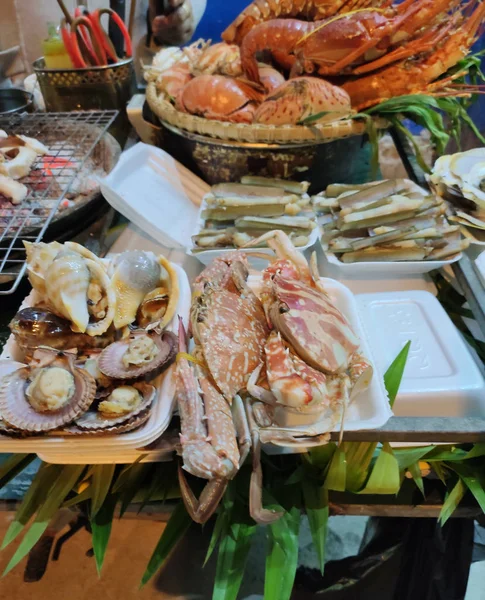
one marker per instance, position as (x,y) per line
(94,88)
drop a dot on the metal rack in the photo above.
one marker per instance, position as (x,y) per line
(71,138)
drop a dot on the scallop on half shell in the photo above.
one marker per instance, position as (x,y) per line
(49,393)
(96,419)
(140,354)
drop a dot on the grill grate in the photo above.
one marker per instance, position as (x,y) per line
(71,138)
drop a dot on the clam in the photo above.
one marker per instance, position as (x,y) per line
(49,393)
(35,326)
(142,353)
(123,404)
(104,385)
(135,273)
(153,307)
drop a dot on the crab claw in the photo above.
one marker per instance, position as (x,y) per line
(282,246)
(201,509)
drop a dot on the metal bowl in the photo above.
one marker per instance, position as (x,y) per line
(13,100)
(346,160)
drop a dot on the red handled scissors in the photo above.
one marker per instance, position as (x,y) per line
(87,43)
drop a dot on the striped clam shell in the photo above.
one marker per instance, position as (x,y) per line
(130,425)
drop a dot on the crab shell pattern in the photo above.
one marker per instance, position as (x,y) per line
(94,420)
(110,361)
(16,409)
(312,325)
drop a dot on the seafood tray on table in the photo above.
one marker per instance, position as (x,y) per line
(88,365)
(393,222)
(49,165)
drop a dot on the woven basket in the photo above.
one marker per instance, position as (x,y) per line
(256,132)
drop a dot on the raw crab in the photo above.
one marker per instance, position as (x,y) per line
(208,434)
(318,367)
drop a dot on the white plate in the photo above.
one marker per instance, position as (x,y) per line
(370,409)
(441,378)
(337,268)
(79,447)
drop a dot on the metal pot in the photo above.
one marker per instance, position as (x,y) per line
(346,160)
(15,100)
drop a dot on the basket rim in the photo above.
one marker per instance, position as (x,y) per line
(251,133)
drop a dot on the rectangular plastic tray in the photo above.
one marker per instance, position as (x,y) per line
(441,378)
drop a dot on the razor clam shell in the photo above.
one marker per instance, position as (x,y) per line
(130,425)
(17,411)
(94,420)
(295,187)
(110,362)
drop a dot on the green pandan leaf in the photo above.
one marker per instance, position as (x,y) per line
(101,524)
(452,501)
(101,482)
(67,479)
(337,471)
(174,531)
(316,507)
(394,374)
(282,556)
(385,476)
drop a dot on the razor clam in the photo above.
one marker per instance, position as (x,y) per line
(295,187)
(134,274)
(34,326)
(101,419)
(49,393)
(215,239)
(386,252)
(142,354)
(287,223)
(229,213)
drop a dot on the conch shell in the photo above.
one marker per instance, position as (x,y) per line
(135,273)
(39,258)
(66,288)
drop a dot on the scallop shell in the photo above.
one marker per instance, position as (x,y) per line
(66,283)
(16,409)
(130,425)
(95,420)
(111,364)
(135,273)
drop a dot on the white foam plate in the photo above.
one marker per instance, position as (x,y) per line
(441,378)
(163,198)
(371,408)
(78,448)
(337,268)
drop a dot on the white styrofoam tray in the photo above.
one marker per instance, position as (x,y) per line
(441,378)
(370,409)
(154,191)
(82,446)
(337,268)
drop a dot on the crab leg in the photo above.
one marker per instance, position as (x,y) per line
(201,509)
(258,513)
